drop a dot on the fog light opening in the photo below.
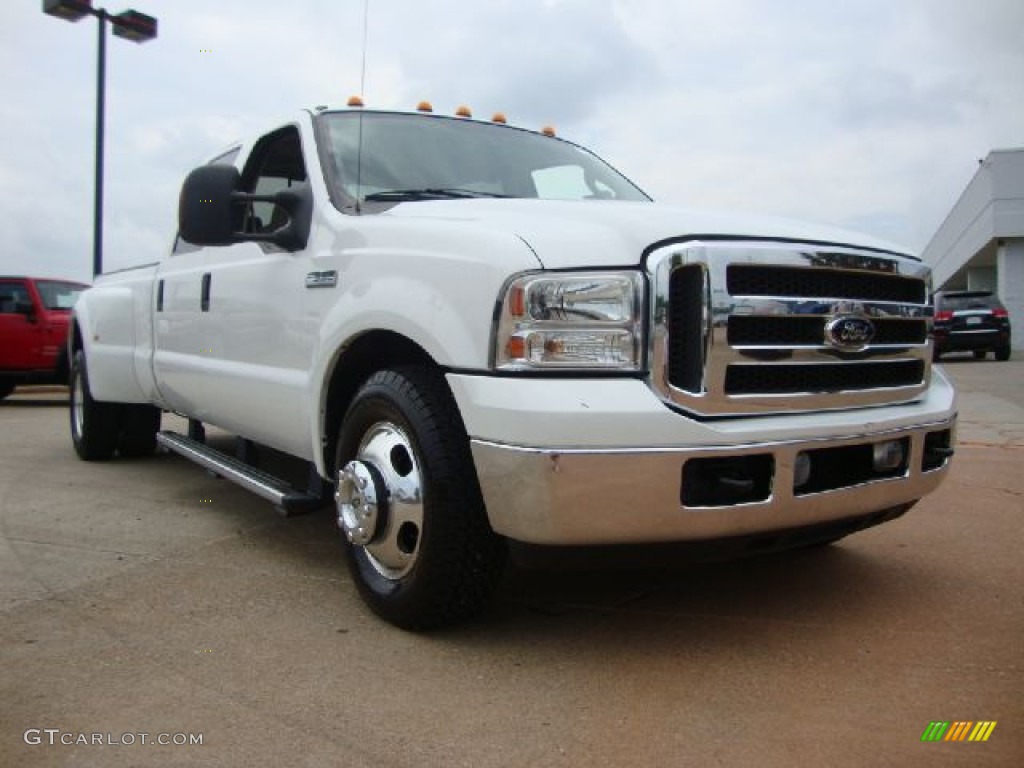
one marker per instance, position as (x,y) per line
(801,470)
(888,456)
(727,480)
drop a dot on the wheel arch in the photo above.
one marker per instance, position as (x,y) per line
(72,344)
(353,364)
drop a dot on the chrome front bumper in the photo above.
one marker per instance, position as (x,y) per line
(633,495)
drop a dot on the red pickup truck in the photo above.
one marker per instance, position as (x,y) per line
(34,317)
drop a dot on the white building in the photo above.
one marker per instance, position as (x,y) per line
(980,245)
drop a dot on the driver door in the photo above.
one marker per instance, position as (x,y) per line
(251,329)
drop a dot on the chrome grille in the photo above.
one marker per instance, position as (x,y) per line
(686,320)
(809,282)
(772,327)
(759,379)
(809,330)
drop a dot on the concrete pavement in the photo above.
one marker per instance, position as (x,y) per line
(148,597)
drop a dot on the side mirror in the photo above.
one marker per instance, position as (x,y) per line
(211,204)
(206,204)
(298,202)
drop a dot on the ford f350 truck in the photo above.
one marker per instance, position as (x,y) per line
(475,333)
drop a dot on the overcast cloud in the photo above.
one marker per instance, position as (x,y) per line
(870,115)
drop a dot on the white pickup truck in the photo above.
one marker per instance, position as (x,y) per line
(475,333)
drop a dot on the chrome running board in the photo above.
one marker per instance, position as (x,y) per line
(288,500)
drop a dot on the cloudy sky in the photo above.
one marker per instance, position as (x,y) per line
(869,114)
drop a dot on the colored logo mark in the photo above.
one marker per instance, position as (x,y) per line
(958,730)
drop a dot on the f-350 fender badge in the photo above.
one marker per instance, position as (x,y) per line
(325,279)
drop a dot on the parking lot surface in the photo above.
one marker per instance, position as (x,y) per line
(147,597)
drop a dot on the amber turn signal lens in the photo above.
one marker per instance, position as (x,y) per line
(517,301)
(515,349)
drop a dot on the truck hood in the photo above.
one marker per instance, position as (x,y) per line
(599,233)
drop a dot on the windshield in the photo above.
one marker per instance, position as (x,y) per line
(58,295)
(429,157)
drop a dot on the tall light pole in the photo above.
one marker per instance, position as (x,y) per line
(131,25)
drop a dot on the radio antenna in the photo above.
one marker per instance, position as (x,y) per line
(362,94)
(366,27)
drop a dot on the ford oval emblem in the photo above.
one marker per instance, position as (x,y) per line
(850,333)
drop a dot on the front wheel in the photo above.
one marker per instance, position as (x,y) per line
(95,426)
(416,535)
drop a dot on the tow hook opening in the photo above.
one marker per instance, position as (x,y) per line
(722,482)
(938,449)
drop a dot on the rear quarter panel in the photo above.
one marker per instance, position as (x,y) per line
(115,322)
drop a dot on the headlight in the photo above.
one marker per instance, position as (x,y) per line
(571,320)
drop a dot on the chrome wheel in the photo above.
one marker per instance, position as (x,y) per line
(416,536)
(379,500)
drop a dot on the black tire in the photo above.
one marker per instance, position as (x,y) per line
(1003,353)
(95,426)
(979,354)
(139,425)
(936,355)
(437,569)
(6,387)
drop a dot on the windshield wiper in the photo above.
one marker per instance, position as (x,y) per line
(430,193)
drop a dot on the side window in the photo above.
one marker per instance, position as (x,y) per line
(276,164)
(58,295)
(228,158)
(11,294)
